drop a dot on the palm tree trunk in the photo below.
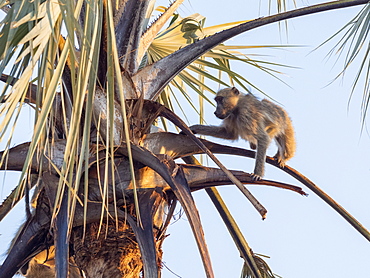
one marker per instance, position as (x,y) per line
(107,251)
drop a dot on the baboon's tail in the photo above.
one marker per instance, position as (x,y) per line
(290,143)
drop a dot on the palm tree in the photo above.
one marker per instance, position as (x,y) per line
(105,186)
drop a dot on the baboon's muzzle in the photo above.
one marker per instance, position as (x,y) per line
(220,115)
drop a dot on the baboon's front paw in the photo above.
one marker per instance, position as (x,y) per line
(256,177)
(194,128)
(183,133)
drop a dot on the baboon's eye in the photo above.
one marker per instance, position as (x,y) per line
(218,99)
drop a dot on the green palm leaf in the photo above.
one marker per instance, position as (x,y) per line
(184,31)
(354,45)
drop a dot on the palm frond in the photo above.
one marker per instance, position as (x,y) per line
(184,31)
(280,6)
(354,45)
(80,60)
(152,31)
(36,31)
(262,267)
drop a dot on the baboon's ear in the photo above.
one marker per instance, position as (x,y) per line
(235,90)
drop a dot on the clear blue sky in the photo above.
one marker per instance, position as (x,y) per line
(303,236)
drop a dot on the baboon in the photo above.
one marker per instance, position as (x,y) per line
(253,120)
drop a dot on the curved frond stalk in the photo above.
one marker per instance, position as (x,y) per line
(177,150)
(325,197)
(144,232)
(159,74)
(67,76)
(197,177)
(184,31)
(174,176)
(178,122)
(304,180)
(236,234)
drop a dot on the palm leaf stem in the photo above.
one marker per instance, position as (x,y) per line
(304,180)
(232,226)
(163,71)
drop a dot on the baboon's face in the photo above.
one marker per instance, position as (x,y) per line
(226,100)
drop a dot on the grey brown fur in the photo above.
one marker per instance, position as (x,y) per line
(253,120)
